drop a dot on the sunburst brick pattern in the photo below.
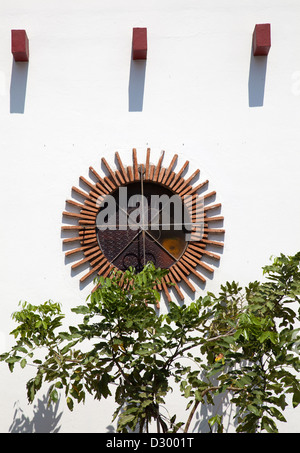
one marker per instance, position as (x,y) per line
(87,245)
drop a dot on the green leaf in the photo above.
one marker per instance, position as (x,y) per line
(269,425)
(103,385)
(254,409)
(81,310)
(273,337)
(187,391)
(189,404)
(21,349)
(296,397)
(23,363)
(30,390)
(263,337)
(276,413)
(13,359)
(65,336)
(70,403)
(37,361)
(198,395)
(54,396)
(125,419)
(68,346)
(218,420)
(245,380)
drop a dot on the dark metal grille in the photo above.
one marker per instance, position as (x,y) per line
(136,247)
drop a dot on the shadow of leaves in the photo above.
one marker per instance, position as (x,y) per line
(45,418)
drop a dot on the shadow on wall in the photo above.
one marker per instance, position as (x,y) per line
(257,80)
(221,406)
(136,85)
(18,85)
(45,419)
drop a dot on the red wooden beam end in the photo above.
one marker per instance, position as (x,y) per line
(139,44)
(19,45)
(261,39)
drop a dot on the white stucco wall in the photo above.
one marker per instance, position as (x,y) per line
(77,93)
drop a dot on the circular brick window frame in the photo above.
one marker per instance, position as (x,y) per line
(190,262)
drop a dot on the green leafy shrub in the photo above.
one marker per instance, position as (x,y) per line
(242,341)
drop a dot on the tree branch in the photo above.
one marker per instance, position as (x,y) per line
(209,389)
(231,331)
